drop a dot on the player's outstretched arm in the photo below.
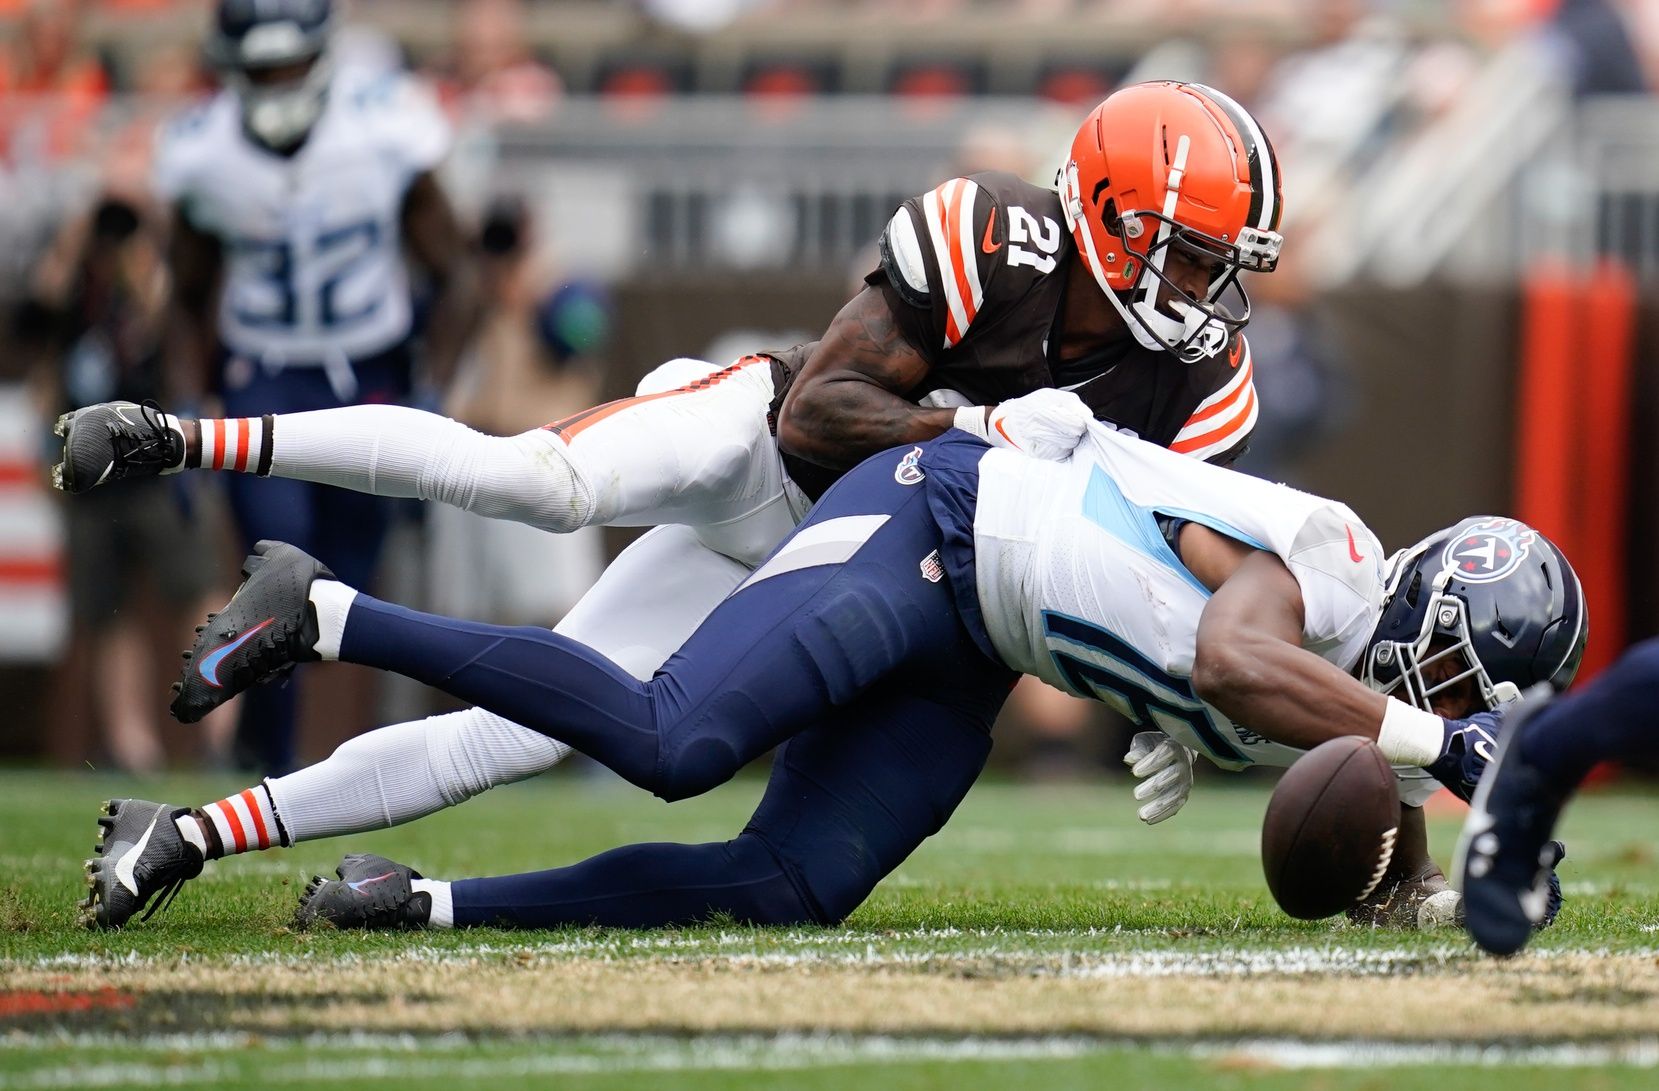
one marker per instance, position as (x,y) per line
(1250,663)
(848,402)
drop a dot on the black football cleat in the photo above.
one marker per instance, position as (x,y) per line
(371,892)
(1505,858)
(268,626)
(112,441)
(141,856)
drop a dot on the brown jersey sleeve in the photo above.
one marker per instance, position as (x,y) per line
(939,254)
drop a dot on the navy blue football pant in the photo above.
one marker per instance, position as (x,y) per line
(343,529)
(1613,718)
(856,661)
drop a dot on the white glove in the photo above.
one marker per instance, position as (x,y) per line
(1165,769)
(1046,423)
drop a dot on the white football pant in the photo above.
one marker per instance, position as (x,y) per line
(692,451)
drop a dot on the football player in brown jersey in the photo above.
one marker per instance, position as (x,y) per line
(1110,287)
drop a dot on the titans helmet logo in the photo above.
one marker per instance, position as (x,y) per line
(1487,551)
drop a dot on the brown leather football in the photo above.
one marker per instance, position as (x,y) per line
(1329,832)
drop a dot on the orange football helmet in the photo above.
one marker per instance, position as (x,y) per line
(1167,164)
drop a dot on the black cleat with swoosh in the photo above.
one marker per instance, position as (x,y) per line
(267,627)
(141,857)
(371,892)
(112,441)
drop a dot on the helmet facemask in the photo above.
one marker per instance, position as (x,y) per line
(1413,670)
(281,114)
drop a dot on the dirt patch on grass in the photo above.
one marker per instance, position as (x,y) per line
(1571,997)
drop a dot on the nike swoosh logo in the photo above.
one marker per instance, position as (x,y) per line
(129,859)
(1008,437)
(357,887)
(1353,553)
(208,668)
(985,243)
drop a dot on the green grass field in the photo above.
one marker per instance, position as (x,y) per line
(1045,939)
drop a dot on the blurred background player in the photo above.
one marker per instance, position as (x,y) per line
(1506,855)
(297,192)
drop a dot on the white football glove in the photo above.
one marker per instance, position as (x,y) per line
(1165,769)
(1046,423)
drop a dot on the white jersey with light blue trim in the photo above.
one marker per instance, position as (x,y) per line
(1079,587)
(314,271)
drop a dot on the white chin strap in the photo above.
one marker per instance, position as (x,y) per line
(1195,336)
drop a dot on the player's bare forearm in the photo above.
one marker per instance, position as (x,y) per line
(848,401)
(1251,666)
(434,238)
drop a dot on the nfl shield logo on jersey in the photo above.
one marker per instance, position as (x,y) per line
(1488,551)
(933,569)
(909,471)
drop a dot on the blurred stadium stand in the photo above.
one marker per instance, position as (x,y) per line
(1472,197)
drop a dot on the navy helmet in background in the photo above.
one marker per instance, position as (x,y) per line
(274,55)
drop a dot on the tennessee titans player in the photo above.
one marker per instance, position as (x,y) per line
(877,643)
(297,191)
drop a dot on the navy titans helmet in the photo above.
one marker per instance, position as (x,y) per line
(1491,592)
(249,39)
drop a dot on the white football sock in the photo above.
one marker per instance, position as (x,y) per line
(399,773)
(332,600)
(392,450)
(443,906)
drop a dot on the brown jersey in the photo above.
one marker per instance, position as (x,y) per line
(975,273)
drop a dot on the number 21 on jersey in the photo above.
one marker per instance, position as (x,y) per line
(1032,240)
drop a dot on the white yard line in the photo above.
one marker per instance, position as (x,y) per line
(622,1053)
(864,950)
(1641,1053)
